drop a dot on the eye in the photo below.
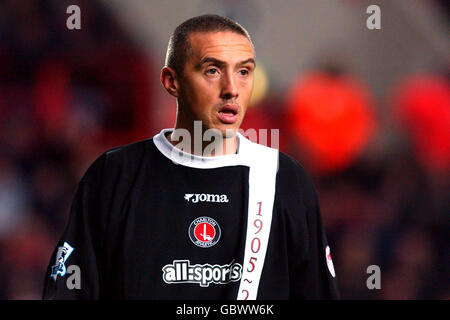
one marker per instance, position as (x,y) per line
(211,71)
(244,72)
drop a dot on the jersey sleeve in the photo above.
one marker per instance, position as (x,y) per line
(316,276)
(73,271)
(311,270)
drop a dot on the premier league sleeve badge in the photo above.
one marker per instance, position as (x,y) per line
(62,255)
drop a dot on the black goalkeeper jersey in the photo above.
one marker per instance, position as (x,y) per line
(151,222)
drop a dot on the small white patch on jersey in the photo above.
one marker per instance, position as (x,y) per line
(188,196)
(329,261)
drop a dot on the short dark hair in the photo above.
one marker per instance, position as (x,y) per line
(179,46)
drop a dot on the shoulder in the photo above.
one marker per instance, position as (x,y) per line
(123,160)
(290,165)
(294,181)
(128,152)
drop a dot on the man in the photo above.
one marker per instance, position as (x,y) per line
(180,217)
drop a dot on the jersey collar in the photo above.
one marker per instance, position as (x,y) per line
(180,157)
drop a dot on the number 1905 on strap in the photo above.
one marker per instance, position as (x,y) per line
(255,248)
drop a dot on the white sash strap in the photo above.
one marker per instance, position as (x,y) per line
(262,176)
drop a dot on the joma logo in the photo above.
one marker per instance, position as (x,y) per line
(191,197)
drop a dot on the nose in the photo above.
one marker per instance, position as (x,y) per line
(229,87)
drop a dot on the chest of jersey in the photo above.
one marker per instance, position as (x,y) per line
(185,233)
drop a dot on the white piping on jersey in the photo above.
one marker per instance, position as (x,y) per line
(263,166)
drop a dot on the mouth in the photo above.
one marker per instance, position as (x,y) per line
(228,113)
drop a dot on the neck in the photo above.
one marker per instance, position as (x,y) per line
(198,141)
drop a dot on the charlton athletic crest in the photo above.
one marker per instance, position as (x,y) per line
(204,232)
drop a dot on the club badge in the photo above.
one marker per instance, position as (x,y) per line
(204,232)
(329,261)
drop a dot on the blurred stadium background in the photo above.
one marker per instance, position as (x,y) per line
(367,112)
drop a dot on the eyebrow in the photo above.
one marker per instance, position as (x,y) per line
(222,63)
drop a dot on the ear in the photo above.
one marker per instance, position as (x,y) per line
(170,81)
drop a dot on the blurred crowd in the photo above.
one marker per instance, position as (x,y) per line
(66,97)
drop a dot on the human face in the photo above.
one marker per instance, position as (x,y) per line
(217,81)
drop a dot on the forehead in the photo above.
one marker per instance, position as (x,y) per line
(224,45)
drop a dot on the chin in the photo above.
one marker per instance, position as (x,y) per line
(224,130)
(225,133)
